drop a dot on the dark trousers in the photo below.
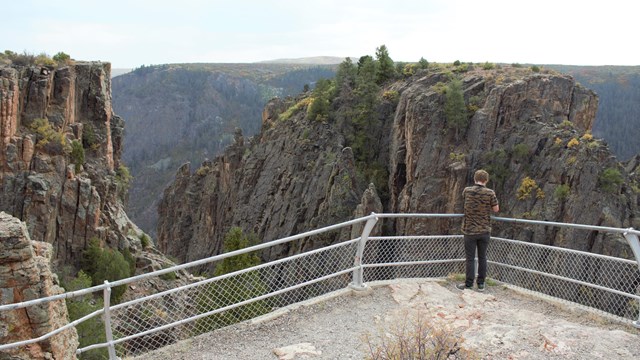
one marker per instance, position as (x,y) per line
(471,242)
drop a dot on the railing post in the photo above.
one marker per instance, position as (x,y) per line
(634,243)
(357,283)
(107,321)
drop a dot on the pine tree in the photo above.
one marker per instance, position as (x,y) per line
(423,63)
(346,76)
(386,69)
(455,109)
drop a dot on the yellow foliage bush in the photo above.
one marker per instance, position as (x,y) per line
(587,136)
(527,186)
(573,142)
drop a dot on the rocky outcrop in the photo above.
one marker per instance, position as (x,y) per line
(64,201)
(293,177)
(529,130)
(25,274)
(191,110)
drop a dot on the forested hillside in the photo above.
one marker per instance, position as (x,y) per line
(187,113)
(618,117)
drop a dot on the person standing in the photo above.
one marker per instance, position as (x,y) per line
(478,201)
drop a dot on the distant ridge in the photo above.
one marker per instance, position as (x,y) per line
(117,72)
(320,60)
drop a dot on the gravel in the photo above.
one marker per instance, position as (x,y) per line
(499,323)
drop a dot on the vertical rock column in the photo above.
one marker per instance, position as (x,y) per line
(25,274)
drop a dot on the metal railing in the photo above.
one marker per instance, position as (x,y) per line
(606,284)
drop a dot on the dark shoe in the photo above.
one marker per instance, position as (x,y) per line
(463,286)
(480,287)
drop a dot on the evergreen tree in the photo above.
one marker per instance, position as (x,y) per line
(363,59)
(423,63)
(346,76)
(366,125)
(386,69)
(455,109)
(235,289)
(322,96)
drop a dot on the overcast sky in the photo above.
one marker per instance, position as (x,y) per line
(131,33)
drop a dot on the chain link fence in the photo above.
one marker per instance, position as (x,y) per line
(607,284)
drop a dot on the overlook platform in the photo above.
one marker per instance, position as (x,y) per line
(500,323)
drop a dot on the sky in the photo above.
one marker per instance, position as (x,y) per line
(132,33)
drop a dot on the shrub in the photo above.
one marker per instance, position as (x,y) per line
(527,186)
(566,124)
(610,179)
(521,151)
(456,157)
(77,155)
(105,264)
(488,66)
(440,88)
(234,289)
(391,95)
(48,138)
(61,58)
(419,339)
(409,69)
(562,192)
(123,177)
(145,241)
(573,142)
(89,138)
(90,331)
(535,68)
(456,63)
(295,108)
(587,136)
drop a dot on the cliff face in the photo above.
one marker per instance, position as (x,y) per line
(293,177)
(38,178)
(191,111)
(25,274)
(526,127)
(529,130)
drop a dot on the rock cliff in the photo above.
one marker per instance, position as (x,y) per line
(530,130)
(25,274)
(65,195)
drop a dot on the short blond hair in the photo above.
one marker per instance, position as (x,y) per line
(481,176)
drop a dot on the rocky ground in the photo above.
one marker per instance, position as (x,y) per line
(497,324)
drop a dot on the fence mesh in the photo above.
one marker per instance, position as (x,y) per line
(599,282)
(607,284)
(292,280)
(418,256)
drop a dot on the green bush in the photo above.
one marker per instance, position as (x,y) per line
(90,331)
(232,290)
(145,241)
(535,68)
(610,179)
(488,66)
(562,192)
(521,151)
(61,58)
(77,155)
(105,264)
